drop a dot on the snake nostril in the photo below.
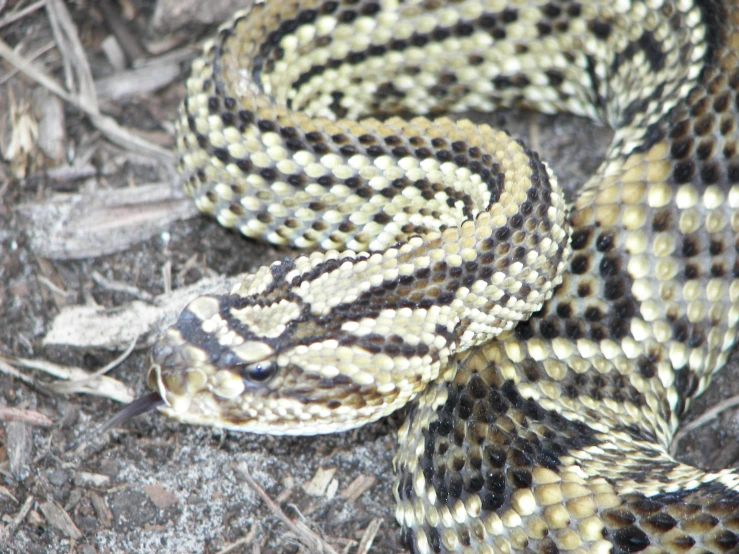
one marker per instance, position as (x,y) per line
(160,352)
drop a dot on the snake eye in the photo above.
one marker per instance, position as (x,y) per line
(259,372)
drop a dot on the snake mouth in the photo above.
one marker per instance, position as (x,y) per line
(170,388)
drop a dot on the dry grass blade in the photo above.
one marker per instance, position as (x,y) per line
(20,14)
(77,70)
(119,286)
(102,386)
(105,124)
(6,493)
(8,369)
(32,56)
(79,385)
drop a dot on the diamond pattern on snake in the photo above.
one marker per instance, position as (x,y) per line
(547,348)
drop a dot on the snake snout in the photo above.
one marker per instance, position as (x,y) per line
(174,371)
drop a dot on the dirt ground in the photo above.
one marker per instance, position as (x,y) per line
(155,485)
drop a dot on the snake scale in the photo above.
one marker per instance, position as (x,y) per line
(548,348)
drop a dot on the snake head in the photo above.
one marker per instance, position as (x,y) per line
(261,362)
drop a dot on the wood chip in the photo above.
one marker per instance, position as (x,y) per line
(49,112)
(91,224)
(113,52)
(5,492)
(103,513)
(357,487)
(17,519)
(137,81)
(32,417)
(320,482)
(19,448)
(333,486)
(369,536)
(59,518)
(160,496)
(19,147)
(120,27)
(114,328)
(87,479)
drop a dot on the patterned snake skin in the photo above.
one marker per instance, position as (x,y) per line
(549,350)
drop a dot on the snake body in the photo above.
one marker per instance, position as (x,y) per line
(548,349)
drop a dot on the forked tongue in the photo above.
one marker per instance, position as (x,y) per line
(141,405)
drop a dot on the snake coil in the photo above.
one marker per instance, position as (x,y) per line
(549,349)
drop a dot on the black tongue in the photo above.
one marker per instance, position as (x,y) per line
(141,405)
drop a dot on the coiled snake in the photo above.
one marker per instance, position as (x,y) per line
(549,350)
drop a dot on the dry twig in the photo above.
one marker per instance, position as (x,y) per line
(76,69)
(241,542)
(20,14)
(313,541)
